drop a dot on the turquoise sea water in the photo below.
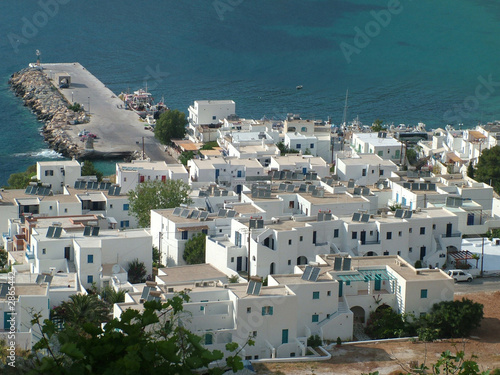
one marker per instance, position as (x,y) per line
(425,63)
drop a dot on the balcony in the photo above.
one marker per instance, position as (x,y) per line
(456,234)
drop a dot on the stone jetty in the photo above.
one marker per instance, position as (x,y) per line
(39,94)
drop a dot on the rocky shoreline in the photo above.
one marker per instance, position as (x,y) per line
(38,93)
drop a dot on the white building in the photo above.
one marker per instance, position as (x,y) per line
(387,148)
(304,163)
(209,114)
(58,174)
(129,175)
(326,300)
(365,170)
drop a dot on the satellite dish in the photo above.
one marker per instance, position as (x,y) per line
(380,186)
(116,268)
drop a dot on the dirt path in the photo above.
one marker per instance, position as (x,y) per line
(391,356)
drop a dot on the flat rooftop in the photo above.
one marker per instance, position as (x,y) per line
(367,159)
(373,139)
(190,274)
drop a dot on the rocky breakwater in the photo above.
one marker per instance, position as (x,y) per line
(38,93)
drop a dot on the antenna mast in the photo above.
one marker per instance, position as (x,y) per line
(344,120)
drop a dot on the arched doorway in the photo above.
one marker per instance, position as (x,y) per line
(359,314)
(301,260)
(371,254)
(272,268)
(383,307)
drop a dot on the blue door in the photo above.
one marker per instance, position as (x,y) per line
(304,170)
(217,172)
(284,336)
(6,323)
(239,261)
(377,282)
(341,284)
(470,219)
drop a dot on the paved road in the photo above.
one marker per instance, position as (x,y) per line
(119,130)
(478,285)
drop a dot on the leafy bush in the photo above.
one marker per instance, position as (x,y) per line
(386,323)
(75,107)
(314,340)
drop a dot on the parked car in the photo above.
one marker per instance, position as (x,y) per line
(459,275)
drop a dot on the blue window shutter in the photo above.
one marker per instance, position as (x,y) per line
(263,310)
(270,310)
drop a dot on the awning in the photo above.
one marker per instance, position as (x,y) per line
(476,134)
(453,157)
(112,220)
(461,255)
(187,229)
(367,275)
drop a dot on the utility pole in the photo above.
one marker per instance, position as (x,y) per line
(142,148)
(482,257)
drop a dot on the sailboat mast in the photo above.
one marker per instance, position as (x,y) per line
(344,120)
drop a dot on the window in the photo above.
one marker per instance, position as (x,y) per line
(363,172)
(371,233)
(110,206)
(202,308)
(49,172)
(124,224)
(386,252)
(90,279)
(208,339)
(249,310)
(354,235)
(397,154)
(204,231)
(303,129)
(125,207)
(410,249)
(184,234)
(65,210)
(238,174)
(335,233)
(348,282)
(232,259)
(381,172)
(301,238)
(289,242)
(284,336)
(299,146)
(267,310)
(315,318)
(289,262)
(255,357)
(90,258)
(315,295)
(410,230)
(214,117)
(312,145)
(399,288)
(254,334)
(433,226)
(380,153)
(399,252)
(291,204)
(423,293)
(400,234)
(50,207)
(329,293)
(237,239)
(422,230)
(44,251)
(388,235)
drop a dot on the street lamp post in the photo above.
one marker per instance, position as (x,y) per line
(89,104)
(72,97)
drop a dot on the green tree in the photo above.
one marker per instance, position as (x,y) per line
(88,169)
(150,341)
(385,323)
(152,195)
(210,145)
(185,156)
(4,258)
(170,125)
(136,272)
(194,251)
(488,167)
(233,279)
(285,150)
(82,308)
(112,296)
(454,318)
(470,170)
(377,126)
(22,179)
(157,258)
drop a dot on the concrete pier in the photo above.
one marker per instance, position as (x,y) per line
(120,132)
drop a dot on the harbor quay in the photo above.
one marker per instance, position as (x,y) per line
(120,132)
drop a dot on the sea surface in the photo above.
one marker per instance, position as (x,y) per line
(436,62)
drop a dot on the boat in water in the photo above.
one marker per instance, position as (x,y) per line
(142,102)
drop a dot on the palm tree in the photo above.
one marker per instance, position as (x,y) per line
(112,296)
(83,308)
(136,272)
(476,257)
